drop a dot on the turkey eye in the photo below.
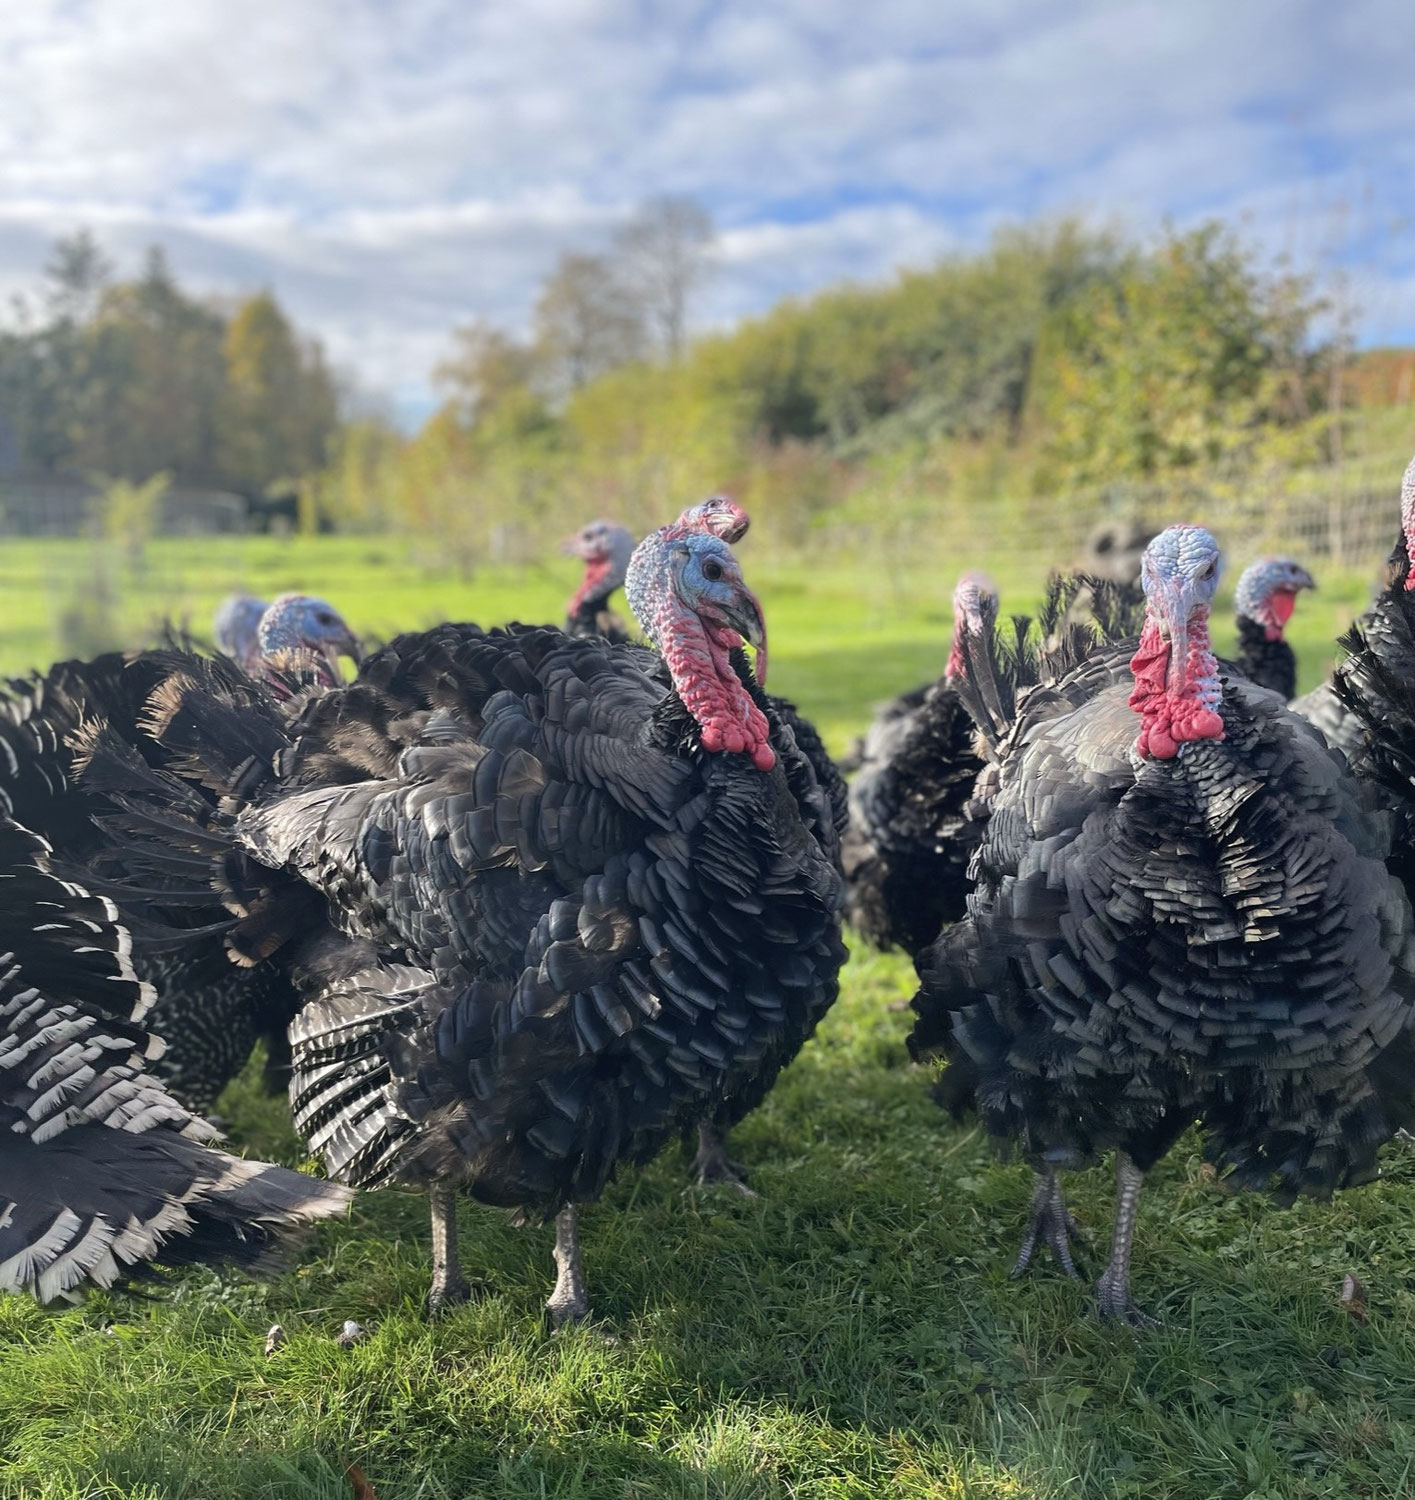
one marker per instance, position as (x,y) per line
(325,619)
(712,571)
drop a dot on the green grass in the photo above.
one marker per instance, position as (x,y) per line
(850,1333)
(843,636)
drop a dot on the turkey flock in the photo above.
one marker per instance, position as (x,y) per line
(511,909)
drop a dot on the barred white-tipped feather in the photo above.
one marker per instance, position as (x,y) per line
(103,1170)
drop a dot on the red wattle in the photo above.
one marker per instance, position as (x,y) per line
(697,657)
(596,571)
(1168,722)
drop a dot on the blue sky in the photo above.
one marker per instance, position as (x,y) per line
(395,167)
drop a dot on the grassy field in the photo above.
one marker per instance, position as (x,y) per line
(850,1332)
(844,634)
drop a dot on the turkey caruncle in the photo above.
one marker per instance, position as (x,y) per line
(103,1174)
(579,896)
(1183,914)
(209,1013)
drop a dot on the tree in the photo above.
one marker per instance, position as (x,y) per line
(155,381)
(1179,364)
(587,322)
(76,274)
(282,409)
(485,367)
(663,255)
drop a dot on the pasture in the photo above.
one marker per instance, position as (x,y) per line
(849,1332)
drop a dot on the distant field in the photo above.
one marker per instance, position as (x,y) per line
(842,636)
(849,1334)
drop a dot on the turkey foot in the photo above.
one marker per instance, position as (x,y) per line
(712,1163)
(570,1301)
(449,1286)
(1113,1299)
(1049,1220)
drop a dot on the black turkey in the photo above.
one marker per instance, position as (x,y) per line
(913,827)
(102,1173)
(1263,601)
(1366,709)
(234,627)
(1183,914)
(721,516)
(605,547)
(209,1013)
(580,896)
(1375,684)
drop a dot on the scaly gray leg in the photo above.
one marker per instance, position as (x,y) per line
(1048,1220)
(712,1164)
(1113,1289)
(570,1301)
(449,1286)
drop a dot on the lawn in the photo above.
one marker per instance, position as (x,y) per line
(850,1332)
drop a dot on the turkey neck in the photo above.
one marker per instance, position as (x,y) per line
(1170,716)
(699,660)
(715,699)
(596,586)
(1270,663)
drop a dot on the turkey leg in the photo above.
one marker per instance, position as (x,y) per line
(449,1286)
(712,1163)
(1048,1219)
(1113,1289)
(570,1301)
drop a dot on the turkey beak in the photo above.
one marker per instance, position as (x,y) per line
(344,644)
(745,616)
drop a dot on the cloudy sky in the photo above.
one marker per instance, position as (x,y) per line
(394,167)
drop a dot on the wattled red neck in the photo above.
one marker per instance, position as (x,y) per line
(592,586)
(1169,718)
(698,657)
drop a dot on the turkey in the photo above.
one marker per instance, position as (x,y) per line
(1375,684)
(606,548)
(1364,709)
(234,627)
(210,1013)
(1183,913)
(579,896)
(104,1174)
(912,823)
(304,637)
(721,516)
(1266,594)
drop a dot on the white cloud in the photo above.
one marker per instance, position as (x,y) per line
(394,169)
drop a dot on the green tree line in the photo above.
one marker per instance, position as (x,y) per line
(1060,360)
(128,378)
